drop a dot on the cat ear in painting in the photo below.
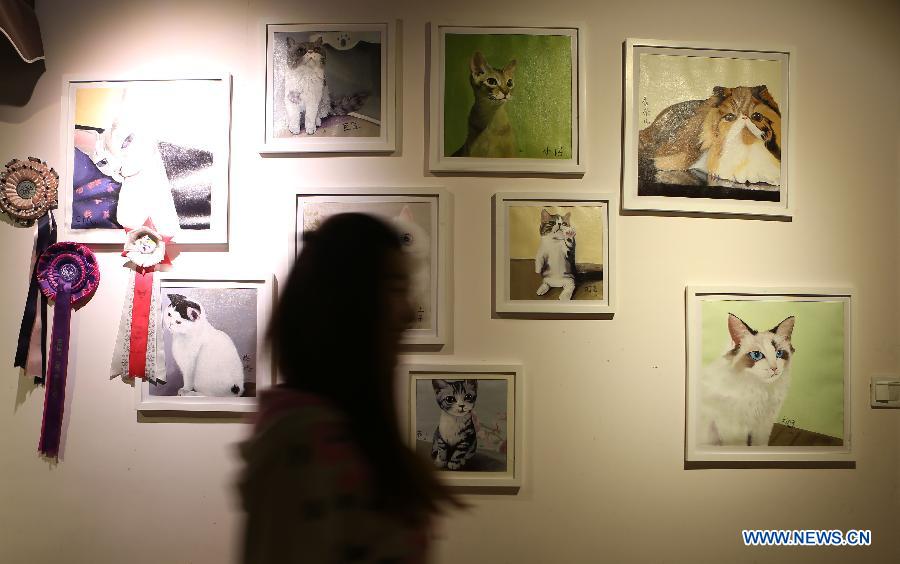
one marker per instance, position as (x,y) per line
(406,214)
(738,329)
(510,67)
(785,328)
(439,384)
(193,313)
(473,384)
(176,299)
(762,92)
(319,41)
(719,94)
(545,216)
(291,42)
(567,217)
(478,64)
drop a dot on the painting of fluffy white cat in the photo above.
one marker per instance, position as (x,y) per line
(742,391)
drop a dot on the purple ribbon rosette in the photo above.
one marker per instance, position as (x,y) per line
(68,274)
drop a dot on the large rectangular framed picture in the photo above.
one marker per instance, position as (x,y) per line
(768,374)
(467,421)
(210,344)
(554,253)
(136,148)
(707,128)
(330,87)
(421,218)
(506,99)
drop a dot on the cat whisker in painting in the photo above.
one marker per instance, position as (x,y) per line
(490,132)
(207,357)
(732,137)
(742,391)
(455,438)
(555,259)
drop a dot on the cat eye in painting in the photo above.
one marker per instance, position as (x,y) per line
(420,217)
(707,128)
(768,375)
(139,148)
(554,254)
(466,420)
(209,343)
(329,88)
(506,99)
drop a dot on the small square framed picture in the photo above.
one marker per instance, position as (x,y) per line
(768,374)
(139,147)
(507,99)
(466,419)
(209,342)
(707,128)
(330,88)
(554,253)
(421,217)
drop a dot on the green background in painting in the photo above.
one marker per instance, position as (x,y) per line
(815,399)
(541,106)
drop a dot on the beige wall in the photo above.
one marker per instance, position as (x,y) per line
(604,472)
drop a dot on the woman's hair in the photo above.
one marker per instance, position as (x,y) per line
(325,337)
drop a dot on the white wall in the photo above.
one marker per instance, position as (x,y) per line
(604,476)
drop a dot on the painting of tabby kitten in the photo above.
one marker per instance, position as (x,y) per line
(490,132)
(734,136)
(741,392)
(455,438)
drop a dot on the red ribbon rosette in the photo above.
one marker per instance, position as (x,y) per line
(145,248)
(68,274)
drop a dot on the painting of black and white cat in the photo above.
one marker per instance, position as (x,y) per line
(210,342)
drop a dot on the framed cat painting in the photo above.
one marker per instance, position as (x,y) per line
(210,353)
(421,217)
(768,375)
(707,128)
(139,148)
(554,254)
(507,100)
(329,88)
(467,420)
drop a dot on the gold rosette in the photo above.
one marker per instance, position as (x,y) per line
(28,190)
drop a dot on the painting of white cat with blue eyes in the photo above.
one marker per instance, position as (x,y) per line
(772,374)
(210,340)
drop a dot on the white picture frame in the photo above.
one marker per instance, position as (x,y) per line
(379,201)
(503,429)
(800,432)
(275,138)
(648,191)
(519,249)
(439,155)
(212,112)
(260,365)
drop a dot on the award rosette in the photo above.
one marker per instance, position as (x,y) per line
(135,353)
(68,274)
(28,193)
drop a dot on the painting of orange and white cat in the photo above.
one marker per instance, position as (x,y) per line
(709,124)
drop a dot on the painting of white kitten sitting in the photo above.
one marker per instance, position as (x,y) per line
(207,357)
(742,391)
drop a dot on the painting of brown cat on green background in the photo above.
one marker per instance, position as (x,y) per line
(490,132)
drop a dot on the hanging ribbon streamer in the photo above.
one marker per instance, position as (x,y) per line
(68,274)
(134,355)
(28,191)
